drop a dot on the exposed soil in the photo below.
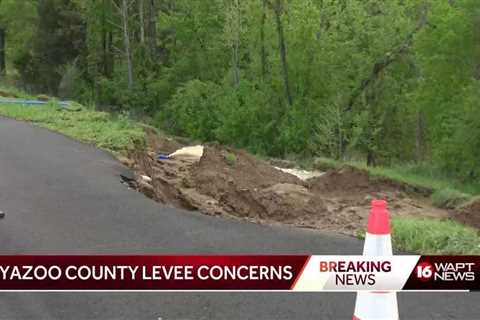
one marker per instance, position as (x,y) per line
(470,214)
(232,182)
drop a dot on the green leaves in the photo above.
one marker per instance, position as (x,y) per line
(215,70)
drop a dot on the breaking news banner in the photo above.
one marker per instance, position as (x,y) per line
(239,273)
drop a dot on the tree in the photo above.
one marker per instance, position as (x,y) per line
(17,21)
(127,50)
(3,64)
(58,39)
(278,8)
(233,32)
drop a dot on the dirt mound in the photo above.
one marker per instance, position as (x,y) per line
(237,181)
(470,214)
(218,168)
(350,180)
(346,179)
(232,182)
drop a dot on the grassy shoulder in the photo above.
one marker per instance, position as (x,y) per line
(434,237)
(117,134)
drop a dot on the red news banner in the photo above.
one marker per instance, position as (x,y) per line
(239,273)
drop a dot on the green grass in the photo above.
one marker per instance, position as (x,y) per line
(117,134)
(231,159)
(449,198)
(430,237)
(14,91)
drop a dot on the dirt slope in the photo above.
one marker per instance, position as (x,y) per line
(469,214)
(232,182)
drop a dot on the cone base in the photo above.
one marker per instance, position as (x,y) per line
(376,305)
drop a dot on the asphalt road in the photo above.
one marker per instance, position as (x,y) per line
(64,197)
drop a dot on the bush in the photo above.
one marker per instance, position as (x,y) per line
(240,116)
(246,118)
(192,111)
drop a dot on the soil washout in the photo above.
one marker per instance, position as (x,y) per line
(231,182)
(469,214)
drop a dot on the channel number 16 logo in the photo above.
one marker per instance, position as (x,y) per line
(424,271)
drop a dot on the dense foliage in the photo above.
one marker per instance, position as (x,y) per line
(386,81)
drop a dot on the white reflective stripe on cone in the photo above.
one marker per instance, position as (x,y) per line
(376,306)
(377,245)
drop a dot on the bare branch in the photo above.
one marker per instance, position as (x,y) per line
(386,61)
(110,22)
(116,6)
(118,50)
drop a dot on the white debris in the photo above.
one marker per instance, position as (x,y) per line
(195,152)
(147,179)
(301,174)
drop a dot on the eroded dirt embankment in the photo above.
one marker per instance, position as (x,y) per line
(469,214)
(231,182)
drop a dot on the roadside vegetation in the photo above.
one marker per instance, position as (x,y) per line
(114,133)
(434,237)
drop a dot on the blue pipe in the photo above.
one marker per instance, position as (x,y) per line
(27,103)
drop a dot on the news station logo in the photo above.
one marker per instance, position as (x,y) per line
(445,271)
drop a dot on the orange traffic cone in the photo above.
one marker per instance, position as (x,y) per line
(377,304)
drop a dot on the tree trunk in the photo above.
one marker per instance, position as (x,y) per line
(152,29)
(236,45)
(263,52)
(420,137)
(104,66)
(107,41)
(141,12)
(110,58)
(126,42)
(283,51)
(3,68)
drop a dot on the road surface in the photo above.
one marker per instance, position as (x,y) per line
(64,197)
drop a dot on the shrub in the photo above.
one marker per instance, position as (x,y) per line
(192,111)
(231,159)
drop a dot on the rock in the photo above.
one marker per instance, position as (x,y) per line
(146,179)
(126,162)
(146,189)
